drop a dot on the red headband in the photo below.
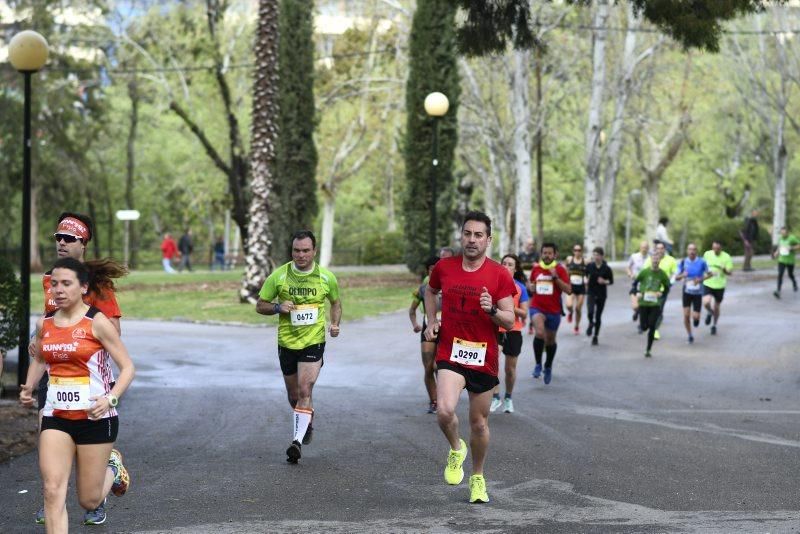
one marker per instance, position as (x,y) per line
(73,227)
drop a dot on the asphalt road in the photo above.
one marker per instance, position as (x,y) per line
(701,438)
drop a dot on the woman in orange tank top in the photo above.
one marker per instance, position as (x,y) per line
(80,419)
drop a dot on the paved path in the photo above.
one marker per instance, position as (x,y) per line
(702,438)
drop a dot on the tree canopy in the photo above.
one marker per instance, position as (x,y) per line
(488,27)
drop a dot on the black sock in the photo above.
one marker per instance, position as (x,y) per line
(597,329)
(651,335)
(538,349)
(508,395)
(496,396)
(551,354)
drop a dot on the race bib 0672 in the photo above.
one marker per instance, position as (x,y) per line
(305,315)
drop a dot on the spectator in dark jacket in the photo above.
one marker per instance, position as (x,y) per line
(749,234)
(185,246)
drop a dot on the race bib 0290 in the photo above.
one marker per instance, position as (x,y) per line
(69,393)
(305,315)
(468,352)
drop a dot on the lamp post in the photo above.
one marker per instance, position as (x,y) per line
(436,105)
(27,52)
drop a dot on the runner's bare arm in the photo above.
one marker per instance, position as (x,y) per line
(412,314)
(36,369)
(115,322)
(522,311)
(430,313)
(336,317)
(266,307)
(565,287)
(505,313)
(103,329)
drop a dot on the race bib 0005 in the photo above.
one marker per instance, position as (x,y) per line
(305,315)
(468,352)
(69,393)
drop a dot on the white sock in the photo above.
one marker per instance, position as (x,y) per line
(301,419)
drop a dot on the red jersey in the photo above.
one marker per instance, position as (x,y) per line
(106,301)
(467,335)
(546,293)
(78,365)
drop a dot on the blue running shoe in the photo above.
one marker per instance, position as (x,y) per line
(537,371)
(96,516)
(548,374)
(691,339)
(40,516)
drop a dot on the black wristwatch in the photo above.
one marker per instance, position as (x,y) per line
(493,311)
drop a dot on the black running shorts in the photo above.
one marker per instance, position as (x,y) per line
(85,431)
(718,294)
(692,301)
(510,342)
(476,382)
(289,358)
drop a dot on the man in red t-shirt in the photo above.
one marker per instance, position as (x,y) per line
(477,298)
(549,279)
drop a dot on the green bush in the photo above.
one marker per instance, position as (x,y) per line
(10,306)
(727,233)
(384,249)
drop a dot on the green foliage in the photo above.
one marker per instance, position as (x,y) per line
(10,306)
(564,240)
(432,67)
(384,248)
(295,185)
(727,233)
(489,27)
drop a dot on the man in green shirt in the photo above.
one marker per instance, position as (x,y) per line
(297,291)
(720,266)
(653,284)
(788,245)
(669,265)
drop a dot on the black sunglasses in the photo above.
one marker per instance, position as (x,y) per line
(65,238)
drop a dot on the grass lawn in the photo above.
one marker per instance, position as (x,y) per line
(213,296)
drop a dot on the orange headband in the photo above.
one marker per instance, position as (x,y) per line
(74,227)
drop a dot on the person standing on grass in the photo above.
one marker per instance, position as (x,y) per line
(168,251)
(186,247)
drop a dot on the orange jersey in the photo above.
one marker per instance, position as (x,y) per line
(520,296)
(78,365)
(106,301)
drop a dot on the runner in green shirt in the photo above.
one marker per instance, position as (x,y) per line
(297,291)
(669,265)
(653,284)
(788,245)
(720,266)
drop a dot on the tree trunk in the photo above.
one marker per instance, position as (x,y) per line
(264,134)
(522,148)
(594,233)
(650,201)
(780,162)
(326,246)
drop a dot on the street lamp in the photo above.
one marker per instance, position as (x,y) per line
(27,52)
(436,105)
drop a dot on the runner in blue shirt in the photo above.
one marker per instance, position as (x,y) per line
(693,270)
